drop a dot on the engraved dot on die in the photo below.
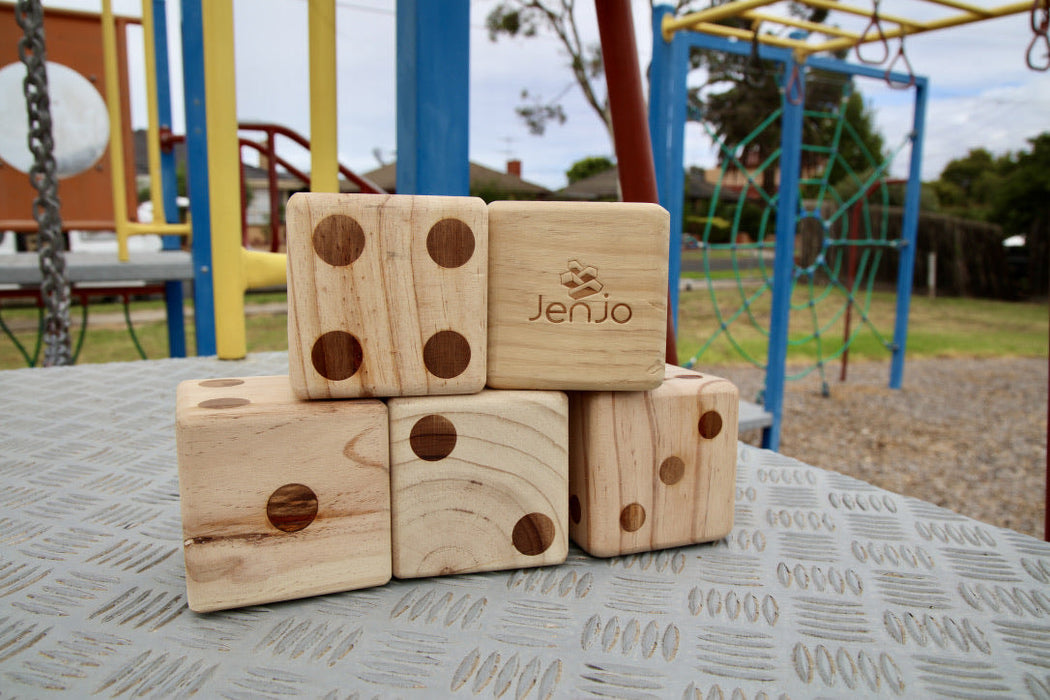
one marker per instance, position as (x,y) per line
(338,240)
(225,402)
(533,534)
(671,470)
(632,517)
(710,424)
(575,509)
(433,438)
(446,354)
(220,383)
(450,243)
(292,507)
(337,355)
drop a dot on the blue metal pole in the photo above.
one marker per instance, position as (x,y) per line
(197,174)
(666,132)
(910,232)
(172,288)
(784,265)
(433,97)
(675,166)
(660,101)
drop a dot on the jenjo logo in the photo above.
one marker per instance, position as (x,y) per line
(581,281)
(582,284)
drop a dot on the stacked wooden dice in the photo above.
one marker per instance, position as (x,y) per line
(468,386)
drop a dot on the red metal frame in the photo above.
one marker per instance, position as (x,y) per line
(269,152)
(634,150)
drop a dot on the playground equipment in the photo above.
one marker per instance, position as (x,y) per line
(743,27)
(432,78)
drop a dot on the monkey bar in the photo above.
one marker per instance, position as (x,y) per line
(764,14)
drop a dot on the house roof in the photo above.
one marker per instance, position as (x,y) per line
(251,172)
(605,185)
(481,178)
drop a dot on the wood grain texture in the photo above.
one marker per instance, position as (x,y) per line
(648,470)
(280,498)
(387,295)
(577,295)
(478,483)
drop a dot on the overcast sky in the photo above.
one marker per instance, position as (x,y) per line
(982,93)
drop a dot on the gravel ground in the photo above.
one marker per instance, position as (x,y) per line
(969,435)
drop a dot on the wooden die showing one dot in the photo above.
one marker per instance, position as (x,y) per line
(281,498)
(387,295)
(654,469)
(478,483)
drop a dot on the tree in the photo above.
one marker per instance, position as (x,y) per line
(1021,204)
(527,18)
(740,91)
(863,145)
(967,185)
(585,167)
(558,17)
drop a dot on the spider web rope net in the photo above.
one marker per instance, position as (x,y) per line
(840,273)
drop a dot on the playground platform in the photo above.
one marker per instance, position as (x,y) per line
(24,268)
(827,586)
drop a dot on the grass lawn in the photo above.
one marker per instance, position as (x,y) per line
(944,327)
(108,340)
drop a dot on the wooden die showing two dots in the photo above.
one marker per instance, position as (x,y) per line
(289,491)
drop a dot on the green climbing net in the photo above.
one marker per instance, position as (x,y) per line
(841,239)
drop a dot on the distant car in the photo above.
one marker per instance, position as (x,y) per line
(1015,249)
(689,242)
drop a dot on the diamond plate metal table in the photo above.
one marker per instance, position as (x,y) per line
(826,587)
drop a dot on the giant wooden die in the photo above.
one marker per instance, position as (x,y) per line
(387,295)
(655,469)
(280,498)
(422,300)
(577,295)
(478,483)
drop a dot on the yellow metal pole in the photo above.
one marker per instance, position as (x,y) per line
(908,27)
(964,6)
(749,35)
(152,132)
(731,9)
(224,188)
(836,6)
(264,269)
(324,159)
(814,27)
(123,227)
(116,129)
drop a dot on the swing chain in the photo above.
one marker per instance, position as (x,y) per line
(901,56)
(1039,21)
(876,24)
(54,287)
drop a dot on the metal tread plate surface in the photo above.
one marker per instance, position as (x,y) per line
(827,586)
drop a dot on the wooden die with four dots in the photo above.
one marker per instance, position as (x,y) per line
(387,295)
